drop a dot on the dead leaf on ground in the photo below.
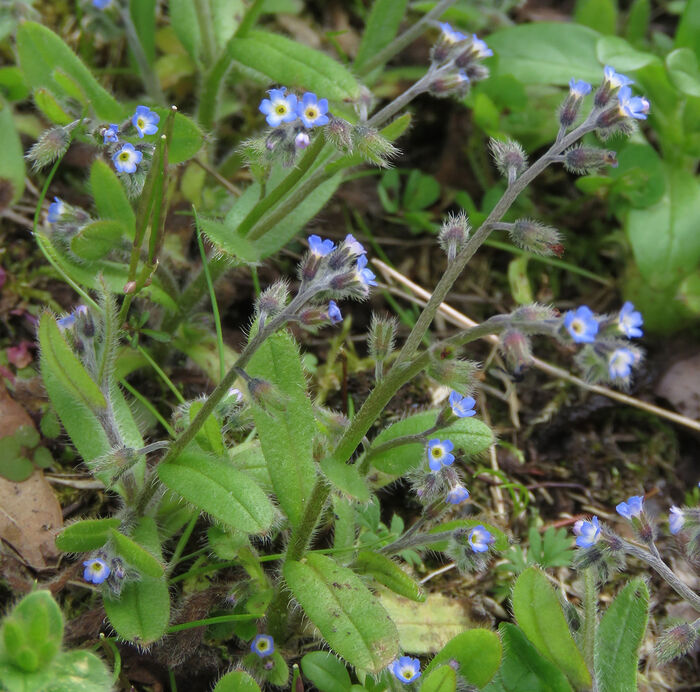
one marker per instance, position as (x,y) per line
(680,385)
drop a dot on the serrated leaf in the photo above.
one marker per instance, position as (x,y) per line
(96,240)
(237,681)
(110,198)
(619,637)
(346,613)
(540,616)
(86,535)
(286,437)
(12,168)
(325,671)
(442,679)
(136,555)
(388,573)
(216,487)
(478,653)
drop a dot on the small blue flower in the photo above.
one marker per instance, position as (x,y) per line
(457,495)
(96,570)
(320,247)
(481,50)
(145,121)
(462,407)
(353,245)
(480,539)
(263,645)
(67,321)
(439,454)
(127,158)
(632,508)
(579,88)
(614,79)
(101,4)
(676,520)
(620,363)
(312,111)
(587,532)
(56,209)
(279,108)
(450,35)
(581,324)
(632,106)
(405,669)
(630,320)
(334,314)
(365,275)
(110,134)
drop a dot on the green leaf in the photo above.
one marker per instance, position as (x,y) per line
(110,199)
(612,50)
(86,535)
(547,53)
(96,240)
(41,52)
(619,636)
(136,555)
(286,437)
(209,436)
(640,178)
(143,14)
(12,168)
(183,17)
(349,617)
(540,616)
(600,15)
(79,671)
(47,103)
(442,679)
(187,138)
(326,672)
(478,653)
(638,21)
(13,86)
(224,236)
(216,487)
(381,28)
(388,573)
(523,668)
(421,191)
(468,434)
(347,478)
(238,680)
(58,358)
(688,32)
(683,71)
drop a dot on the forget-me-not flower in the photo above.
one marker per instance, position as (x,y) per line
(581,324)
(439,454)
(96,570)
(353,245)
(56,209)
(101,4)
(462,406)
(632,106)
(405,669)
(479,48)
(319,246)
(280,107)
(614,79)
(579,88)
(312,111)
(632,508)
(263,645)
(365,275)
(334,314)
(145,121)
(587,532)
(127,159)
(457,495)
(620,363)
(450,35)
(630,321)
(675,519)
(480,539)
(110,134)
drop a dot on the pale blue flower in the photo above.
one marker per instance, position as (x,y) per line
(334,314)
(579,88)
(405,669)
(302,140)
(620,363)
(614,79)
(632,508)
(354,246)
(365,275)
(480,539)
(56,209)
(587,532)
(481,50)
(101,4)
(312,111)
(676,519)
(263,645)
(632,106)
(110,134)
(451,35)
(630,321)
(280,107)
(457,495)
(462,406)
(439,454)
(96,570)
(581,325)
(127,159)
(319,246)
(145,121)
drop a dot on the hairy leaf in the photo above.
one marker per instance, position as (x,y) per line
(388,573)
(86,535)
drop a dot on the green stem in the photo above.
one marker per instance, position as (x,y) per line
(411,541)
(150,79)
(159,371)
(182,543)
(241,617)
(249,19)
(590,608)
(206,26)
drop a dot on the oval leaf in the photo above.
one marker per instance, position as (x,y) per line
(326,672)
(110,198)
(136,556)
(96,240)
(187,138)
(237,681)
(388,573)
(86,535)
(443,679)
(12,167)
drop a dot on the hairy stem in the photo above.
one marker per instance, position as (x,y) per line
(590,607)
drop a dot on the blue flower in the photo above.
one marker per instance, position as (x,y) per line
(279,108)
(312,111)
(675,519)
(127,158)
(587,532)
(457,495)
(630,320)
(353,245)
(302,140)
(481,50)
(56,209)
(462,407)
(96,570)
(632,106)
(480,539)
(111,133)
(319,246)
(632,508)
(450,35)
(334,313)
(579,88)
(405,669)
(620,363)
(263,645)
(614,79)
(439,454)
(67,321)
(581,324)
(365,275)
(101,4)
(145,121)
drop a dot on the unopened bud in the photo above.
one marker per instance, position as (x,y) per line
(676,642)
(265,394)
(517,350)
(452,84)
(509,157)
(86,324)
(535,313)
(272,300)
(130,287)
(381,337)
(51,145)
(302,140)
(572,103)
(476,72)
(276,136)
(583,160)
(454,234)
(339,133)
(534,236)
(453,372)
(373,147)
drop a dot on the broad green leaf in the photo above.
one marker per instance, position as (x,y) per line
(523,668)
(225,238)
(478,653)
(683,71)
(468,434)
(347,478)
(689,292)
(619,636)
(13,86)
(58,358)
(183,16)
(388,573)
(547,53)
(286,436)
(540,616)
(501,542)
(640,178)
(325,671)
(688,32)
(638,21)
(237,681)
(137,556)
(381,28)
(96,240)
(69,86)
(80,671)
(600,15)
(443,679)
(47,103)
(86,535)
(110,199)
(143,14)
(12,168)
(187,138)
(615,51)
(41,51)
(248,457)
(216,487)
(343,528)
(349,617)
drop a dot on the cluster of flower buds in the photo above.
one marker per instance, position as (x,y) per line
(126,157)
(619,108)
(600,548)
(470,548)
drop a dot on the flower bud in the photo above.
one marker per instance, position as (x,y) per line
(381,337)
(451,84)
(572,103)
(339,133)
(302,140)
(517,350)
(272,300)
(448,41)
(611,85)
(454,234)
(51,145)
(266,395)
(453,372)
(534,236)
(476,72)
(372,146)
(583,160)
(535,313)
(129,287)
(676,642)
(347,252)
(509,157)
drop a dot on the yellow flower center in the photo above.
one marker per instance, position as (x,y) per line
(436,452)
(577,326)
(141,123)
(124,156)
(311,113)
(281,108)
